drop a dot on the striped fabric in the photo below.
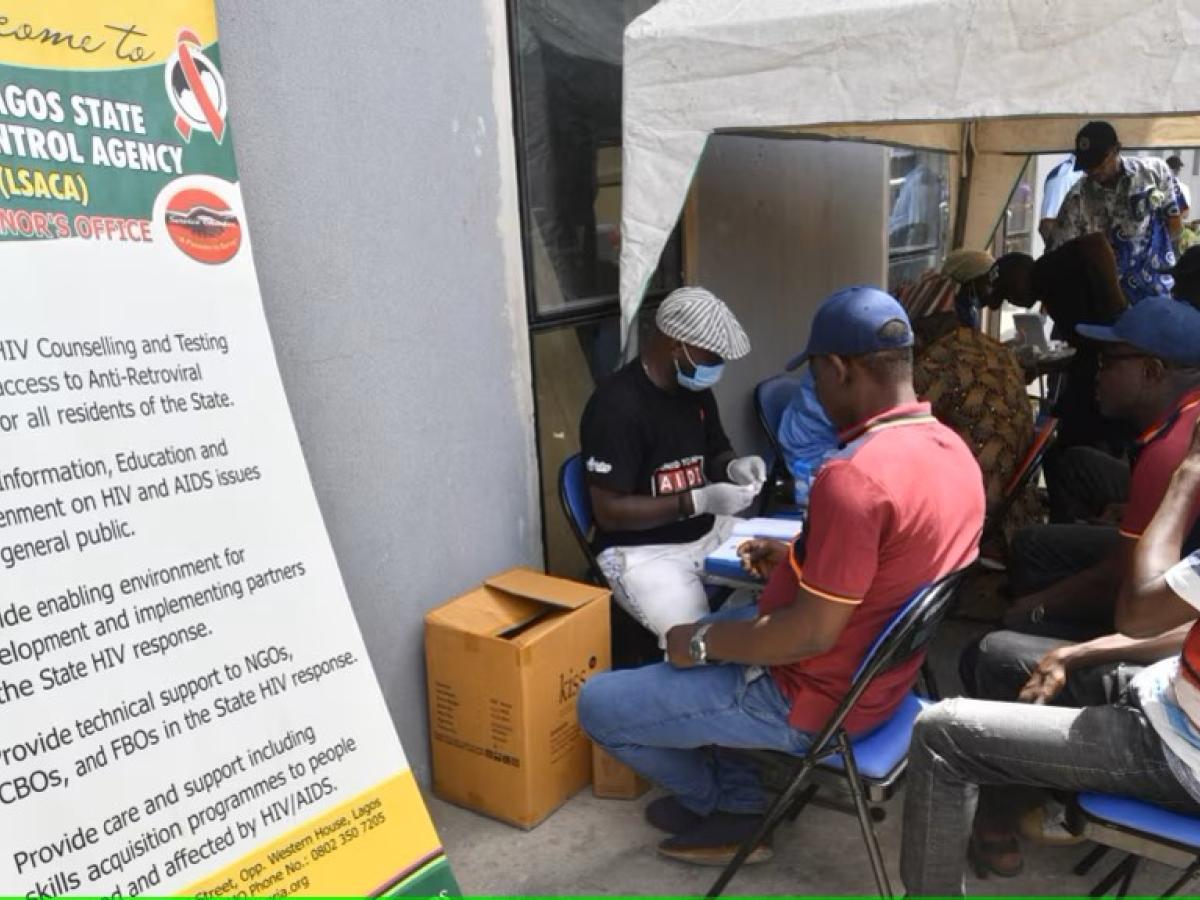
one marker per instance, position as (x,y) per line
(932,293)
(694,316)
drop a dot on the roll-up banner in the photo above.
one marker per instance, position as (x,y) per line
(186,703)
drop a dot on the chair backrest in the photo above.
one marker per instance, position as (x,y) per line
(577,505)
(1034,457)
(908,633)
(771,398)
(1028,469)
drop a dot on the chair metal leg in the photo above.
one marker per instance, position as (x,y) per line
(1086,864)
(1188,874)
(1127,881)
(858,792)
(931,688)
(1122,872)
(771,819)
(802,801)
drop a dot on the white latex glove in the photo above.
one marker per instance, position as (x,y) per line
(723,499)
(747,470)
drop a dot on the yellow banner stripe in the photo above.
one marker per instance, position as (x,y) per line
(386,831)
(116,34)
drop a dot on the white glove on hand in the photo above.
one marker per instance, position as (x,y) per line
(723,499)
(747,470)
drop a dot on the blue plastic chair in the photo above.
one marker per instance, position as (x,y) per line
(771,398)
(577,506)
(871,765)
(632,644)
(1144,831)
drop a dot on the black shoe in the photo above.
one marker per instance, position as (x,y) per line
(715,839)
(669,815)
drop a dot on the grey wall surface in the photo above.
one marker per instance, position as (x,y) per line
(777,225)
(374,145)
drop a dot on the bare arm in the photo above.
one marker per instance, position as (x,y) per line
(637,512)
(1119,648)
(1146,604)
(1049,677)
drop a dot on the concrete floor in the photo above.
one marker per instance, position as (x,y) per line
(593,847)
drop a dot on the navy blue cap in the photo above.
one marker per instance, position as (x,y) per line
(848,324)
(1166,328)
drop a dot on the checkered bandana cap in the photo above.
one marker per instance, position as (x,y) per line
(694,316)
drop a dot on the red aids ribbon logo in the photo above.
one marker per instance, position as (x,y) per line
(196,89)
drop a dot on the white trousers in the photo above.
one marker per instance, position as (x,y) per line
(659,584)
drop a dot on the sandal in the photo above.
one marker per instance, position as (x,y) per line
(987,856)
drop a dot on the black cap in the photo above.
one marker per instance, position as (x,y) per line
(1174,163)
(1093,143)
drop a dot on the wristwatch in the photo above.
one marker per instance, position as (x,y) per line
(697,648)
(1037,613)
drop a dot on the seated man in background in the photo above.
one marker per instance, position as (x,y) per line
(661,473)
(1067,576)
(1143,747)
(899,507)
(1009,666)
(1075,283)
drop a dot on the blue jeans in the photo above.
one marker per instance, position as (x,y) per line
(663,722)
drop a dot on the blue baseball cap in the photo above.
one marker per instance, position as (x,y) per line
(1161,326)
(848,323)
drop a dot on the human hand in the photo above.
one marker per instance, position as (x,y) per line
(747,470)
(679,645)
(1047,680)
(723,499)
(760,556)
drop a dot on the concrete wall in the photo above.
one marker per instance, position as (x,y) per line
(774,227)
(374,142)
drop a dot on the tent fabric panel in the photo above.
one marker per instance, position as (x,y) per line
(696,66)
(1056,134)
(990,184)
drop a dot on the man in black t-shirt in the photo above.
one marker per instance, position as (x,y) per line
(662,475)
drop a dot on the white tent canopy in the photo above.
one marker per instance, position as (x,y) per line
(987,81)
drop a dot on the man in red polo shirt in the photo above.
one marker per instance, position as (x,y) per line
(1150,377)
(901,505)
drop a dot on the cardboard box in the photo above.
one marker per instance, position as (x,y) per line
(505,663)
(613,779)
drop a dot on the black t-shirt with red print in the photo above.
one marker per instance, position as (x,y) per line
(639,439)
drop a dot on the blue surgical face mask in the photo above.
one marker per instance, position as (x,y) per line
(703,378)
